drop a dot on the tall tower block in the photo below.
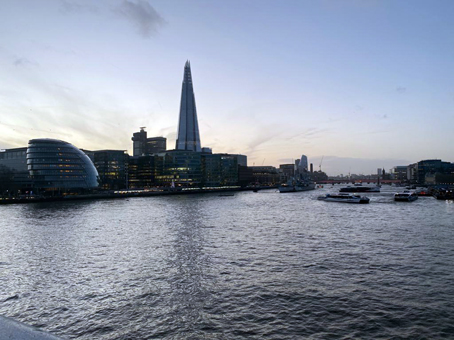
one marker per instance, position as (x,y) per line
(188,127)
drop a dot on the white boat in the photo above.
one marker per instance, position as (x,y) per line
(296,185)
(360,188)
(344,198)
(406,196)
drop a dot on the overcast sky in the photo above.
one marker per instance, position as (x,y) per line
(364,83)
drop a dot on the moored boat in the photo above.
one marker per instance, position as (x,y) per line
(406,196)
(296,186)
(344,198)
(444,194)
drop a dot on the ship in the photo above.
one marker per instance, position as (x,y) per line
(406,196)
(295,185)
(344,198)
(360,189)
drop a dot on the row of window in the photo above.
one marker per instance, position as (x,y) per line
(32,155)
(33,166)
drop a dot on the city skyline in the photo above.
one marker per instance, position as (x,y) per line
(359,84)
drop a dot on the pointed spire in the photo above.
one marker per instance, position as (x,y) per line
(188,127)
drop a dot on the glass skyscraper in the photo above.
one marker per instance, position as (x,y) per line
(188,128)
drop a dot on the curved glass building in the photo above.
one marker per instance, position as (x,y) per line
(55,164)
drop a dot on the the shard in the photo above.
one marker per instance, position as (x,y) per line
(188,127)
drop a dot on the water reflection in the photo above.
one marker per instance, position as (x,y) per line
(189,267)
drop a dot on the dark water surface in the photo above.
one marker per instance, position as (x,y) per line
(253,266)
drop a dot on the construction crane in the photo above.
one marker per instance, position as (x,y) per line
(320,165)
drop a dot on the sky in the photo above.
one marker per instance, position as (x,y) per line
(359,84)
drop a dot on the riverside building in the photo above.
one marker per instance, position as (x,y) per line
(189,165)
(14,176)
(188,127)
(142,145)
(55,165)
(112,167)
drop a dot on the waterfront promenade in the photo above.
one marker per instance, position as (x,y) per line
(125,194)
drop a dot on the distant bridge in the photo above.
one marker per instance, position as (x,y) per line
(362,181)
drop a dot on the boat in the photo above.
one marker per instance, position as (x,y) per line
(360,189)
(344,198)
(406,196)
(424,192)
(444,194)
(294,185)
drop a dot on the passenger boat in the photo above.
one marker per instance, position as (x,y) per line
(344,198)
(296,186)
(406,196)
(360,189)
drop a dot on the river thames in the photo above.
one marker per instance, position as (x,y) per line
(250,266)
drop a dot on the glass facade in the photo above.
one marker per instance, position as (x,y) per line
(112,167)
(141,172)
(183,168)
(13,170)
(55,164)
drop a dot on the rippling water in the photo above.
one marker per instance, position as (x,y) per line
(253,266)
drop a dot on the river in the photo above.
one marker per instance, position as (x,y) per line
(250,266)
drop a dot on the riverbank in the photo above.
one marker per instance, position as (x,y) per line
(125,194)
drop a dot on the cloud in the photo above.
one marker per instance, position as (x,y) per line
(72,7)
(22,62)
(401,89)
(142,15)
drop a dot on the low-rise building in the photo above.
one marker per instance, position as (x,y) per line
(266,175)
(14,175)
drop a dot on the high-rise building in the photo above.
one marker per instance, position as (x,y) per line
(139,142)
(188,128)
(302,166)
(146,146)
(156,144)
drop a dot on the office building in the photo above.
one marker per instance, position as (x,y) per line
(188,138)
(399,173)
(112,167)
(267,175)
(142,172)
(287,171)
(58,165)
(417,172)
(155,145)
(142,145)
(139,144)
(219,170)
(182,168)
(14,174)
(303,165)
